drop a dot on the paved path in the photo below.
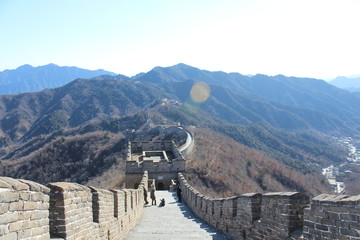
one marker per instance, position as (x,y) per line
(175,221)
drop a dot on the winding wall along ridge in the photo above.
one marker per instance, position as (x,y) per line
(278,215)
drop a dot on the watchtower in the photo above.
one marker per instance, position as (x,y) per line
(162,160)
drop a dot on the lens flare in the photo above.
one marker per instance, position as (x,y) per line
(200,92)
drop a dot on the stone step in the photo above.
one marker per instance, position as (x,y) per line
(174,221)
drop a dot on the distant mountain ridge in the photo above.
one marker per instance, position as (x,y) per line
(27,78)
(349,83)
(288,103)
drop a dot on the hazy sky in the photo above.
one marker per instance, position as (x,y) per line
(305,38)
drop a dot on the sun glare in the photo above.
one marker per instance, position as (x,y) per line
(200,92)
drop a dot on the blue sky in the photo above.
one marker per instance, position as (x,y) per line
(305,38)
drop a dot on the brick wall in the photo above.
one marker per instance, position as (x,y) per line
(24,210)
(279,215)
(333,217)
(62,210)
(189,145)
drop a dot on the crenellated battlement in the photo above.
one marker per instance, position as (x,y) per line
(64,210)
(278,215)
(333,217)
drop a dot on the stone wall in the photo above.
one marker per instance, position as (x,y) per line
(333,217)
(189,145)
(24,210)
(63,210)
(279,215)
(139,146)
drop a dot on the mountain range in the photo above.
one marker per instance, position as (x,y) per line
(288,103)
(287,118)
(27,78)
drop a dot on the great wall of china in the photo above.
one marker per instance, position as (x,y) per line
(61,210)
(278,215)
(29,210)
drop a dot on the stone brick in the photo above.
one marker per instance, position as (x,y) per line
(28,224)
(9,217)
(10,236)
(4,184)
(15,226)
(45,236)
(36,187)
(37,196)
(349,217)
(8,196)
(4,207)
(4,229)
(322,227)
(39,214)
(37,231)
(16,206)
(15,184)
(334,216)
(349,232)
(30,205)
(337,209)
(24,215)
(327,221)
(25,196)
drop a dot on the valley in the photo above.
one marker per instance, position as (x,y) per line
(347,172)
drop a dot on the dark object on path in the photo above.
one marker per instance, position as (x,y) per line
(162,202)
(178,192)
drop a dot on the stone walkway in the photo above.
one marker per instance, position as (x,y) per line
(175,221)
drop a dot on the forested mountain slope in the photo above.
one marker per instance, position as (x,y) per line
(288,120)
(288,103)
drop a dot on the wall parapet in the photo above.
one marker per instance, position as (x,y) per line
(62,210)
(187,148)
(24,209)
(278,215)
(333,217)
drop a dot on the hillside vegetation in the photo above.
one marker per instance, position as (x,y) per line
(221,166)
(287,103)
(79,132)
(67,157)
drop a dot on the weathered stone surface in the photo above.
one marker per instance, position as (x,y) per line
(34,186)
(15,226)
(16,206)
(4,184)
(4,207)
(10,236)
(4,229)
(9,217)
(66,186)
(7,195)
(15,184)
